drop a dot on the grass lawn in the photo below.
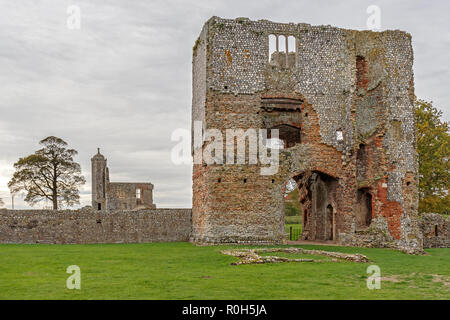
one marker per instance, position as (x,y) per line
(296,226)
(185,271)
(293,219)
(296,231)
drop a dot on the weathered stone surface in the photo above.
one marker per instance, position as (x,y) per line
(92,226)
(436,230)
(252,256)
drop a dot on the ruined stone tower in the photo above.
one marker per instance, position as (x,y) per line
(342,101)
(99,177)
(108,195)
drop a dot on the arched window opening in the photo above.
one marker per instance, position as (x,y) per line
(272,46)
(363,209)
(292,45)
(282,51)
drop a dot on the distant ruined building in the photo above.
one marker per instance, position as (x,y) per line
(343,103)
(108,195)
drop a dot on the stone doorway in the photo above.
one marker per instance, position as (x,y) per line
(363,216)
(292,211)
(318,198)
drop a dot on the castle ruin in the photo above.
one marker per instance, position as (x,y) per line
(108,195)
(342,101)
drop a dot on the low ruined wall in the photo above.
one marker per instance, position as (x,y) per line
(436,230)
(377,236)
(86,226)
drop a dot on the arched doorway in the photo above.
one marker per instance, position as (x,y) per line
(317,197)
(292,211)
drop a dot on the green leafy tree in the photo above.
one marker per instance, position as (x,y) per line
(50,173)
(433,147)
(292,203)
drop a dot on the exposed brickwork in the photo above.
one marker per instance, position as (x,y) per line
(88,226)
(344,107)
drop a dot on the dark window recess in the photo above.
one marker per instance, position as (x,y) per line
(364,212)
(361,152)
(361,161)
(99,206)
(245,180)
(99,221)
(288,134)
(329,225)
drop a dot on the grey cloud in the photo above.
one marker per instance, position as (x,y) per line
(123,81)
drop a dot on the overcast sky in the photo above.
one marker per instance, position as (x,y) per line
(122,82)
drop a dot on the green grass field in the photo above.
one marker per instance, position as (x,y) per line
(185,271)
(296,231)
(293,220)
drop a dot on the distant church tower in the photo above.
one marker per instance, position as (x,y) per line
(99,179)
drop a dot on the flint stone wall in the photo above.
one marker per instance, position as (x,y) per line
(87,226)
(355,84)
(436,230)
